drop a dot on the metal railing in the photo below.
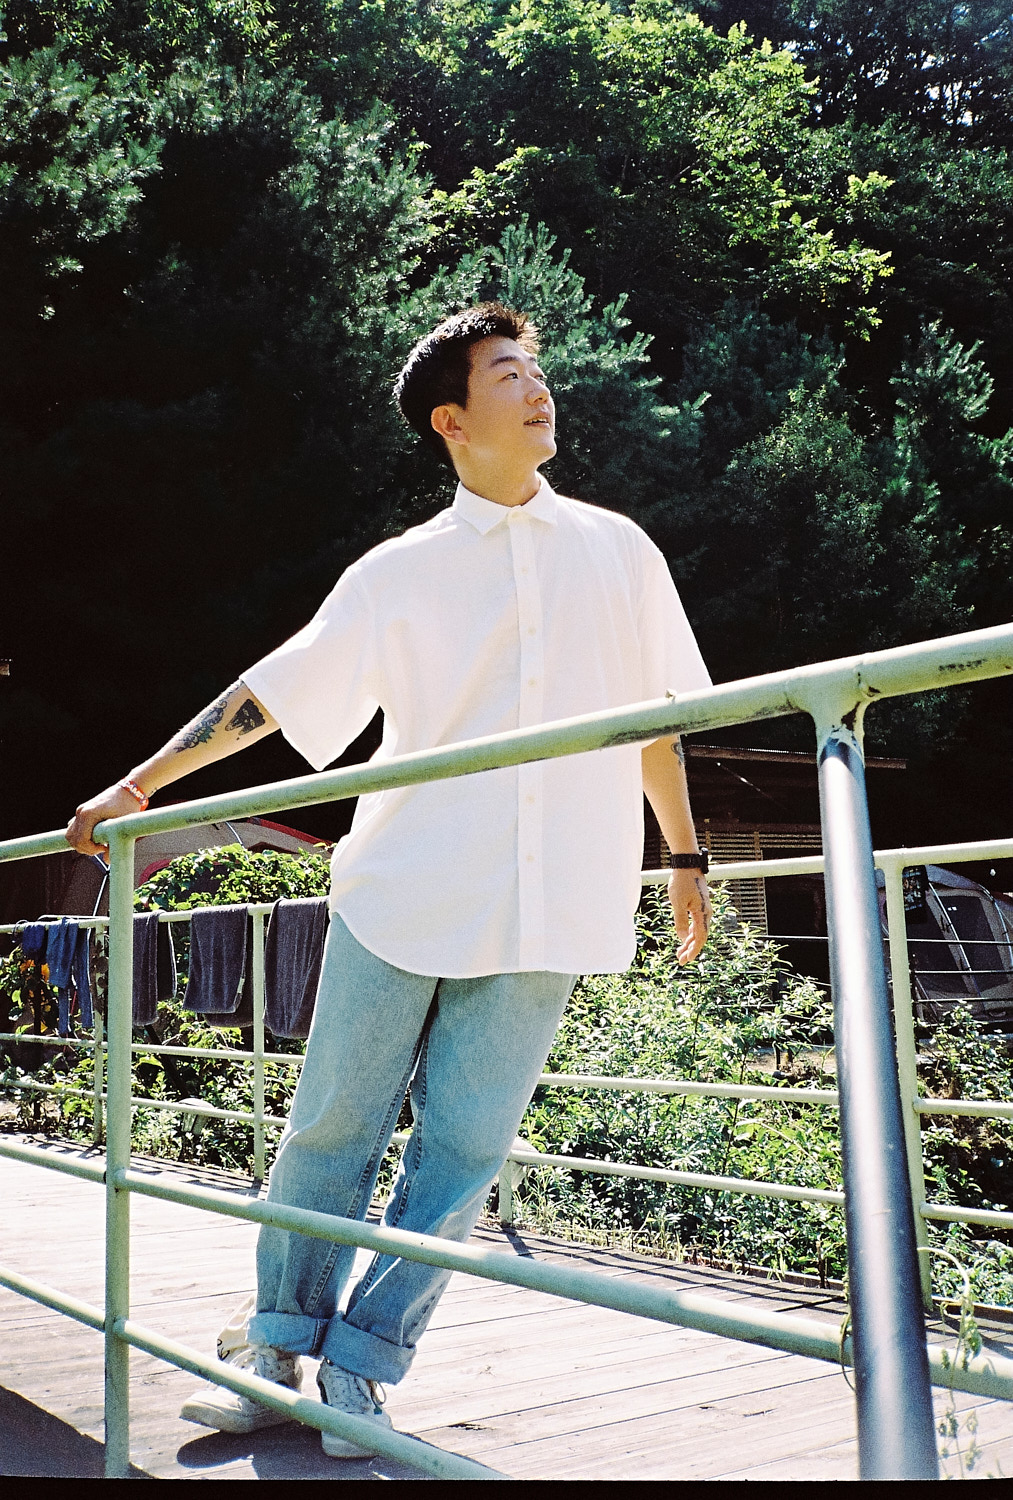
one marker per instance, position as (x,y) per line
(891,861)
(876,1092)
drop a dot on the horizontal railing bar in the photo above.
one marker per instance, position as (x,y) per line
(255,908)
(49,1088)
(12,927)
(687,1086)
(679,1179)
(977,1108)
(392,1444)
(140,1101)
(945,854)
(748,869)
(63,1302)
(229,1054)
(989,1375)
(993,1218)
(969,657)
(234,1054)
(47,1040)
(36,1156)
(664,1305)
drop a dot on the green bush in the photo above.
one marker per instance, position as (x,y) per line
(740,1014)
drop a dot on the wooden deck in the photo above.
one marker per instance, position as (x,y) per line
(533,1386)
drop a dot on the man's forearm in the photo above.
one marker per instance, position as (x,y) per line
(664,767)
(234,720)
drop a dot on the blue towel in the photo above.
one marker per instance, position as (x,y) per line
(293,954)
(60,948)
(81,975)
(33,940)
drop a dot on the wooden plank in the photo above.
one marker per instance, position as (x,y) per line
(540,1387)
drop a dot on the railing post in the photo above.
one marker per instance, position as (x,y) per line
(119,1030)
(505,1185)
(907,1060)
(258,1046)
(896,1431)
(98,1080)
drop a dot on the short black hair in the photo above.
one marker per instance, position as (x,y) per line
(436,371)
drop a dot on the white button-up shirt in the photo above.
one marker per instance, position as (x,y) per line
(490,618)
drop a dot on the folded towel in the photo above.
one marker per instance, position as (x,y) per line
(154,966)
(293,953)
(220,965)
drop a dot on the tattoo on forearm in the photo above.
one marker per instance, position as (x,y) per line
(678,751)
(202,728)
(246,719)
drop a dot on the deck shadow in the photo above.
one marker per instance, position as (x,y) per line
(36,1445)
(288,1451)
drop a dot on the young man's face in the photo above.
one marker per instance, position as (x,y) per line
(509,417)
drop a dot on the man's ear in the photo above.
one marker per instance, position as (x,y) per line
(444,420)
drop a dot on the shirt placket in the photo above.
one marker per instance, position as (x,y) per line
(531,699)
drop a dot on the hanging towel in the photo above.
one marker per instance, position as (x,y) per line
(60,946)
(219,986)
(33,940)
(293,953)
(154,966)
(81,975)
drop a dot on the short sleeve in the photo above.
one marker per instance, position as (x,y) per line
(322,684)
(671,658)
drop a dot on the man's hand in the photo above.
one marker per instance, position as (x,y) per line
(114,802)
(691,910)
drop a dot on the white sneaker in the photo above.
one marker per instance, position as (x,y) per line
(354,1394)
(229,1411)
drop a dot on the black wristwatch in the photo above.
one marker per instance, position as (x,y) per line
(697,861)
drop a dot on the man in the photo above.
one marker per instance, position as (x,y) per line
(463,909)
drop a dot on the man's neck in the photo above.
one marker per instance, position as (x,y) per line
(500,487)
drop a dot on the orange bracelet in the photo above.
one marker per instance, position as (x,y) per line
(135,791)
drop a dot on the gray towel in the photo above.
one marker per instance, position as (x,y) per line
(219,986)
(293,953)
(154,966)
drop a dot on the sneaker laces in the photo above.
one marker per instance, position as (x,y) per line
(371,1390)
(269,1364)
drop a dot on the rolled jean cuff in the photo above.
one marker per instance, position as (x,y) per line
(292,1331)
(364,1354)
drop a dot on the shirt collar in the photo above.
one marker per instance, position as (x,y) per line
(484,514)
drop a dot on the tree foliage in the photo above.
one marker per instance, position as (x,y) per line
(767,243)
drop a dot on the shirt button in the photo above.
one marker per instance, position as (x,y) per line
(531,859)
(524,570)
(529,798)
(532,682)
(532,630)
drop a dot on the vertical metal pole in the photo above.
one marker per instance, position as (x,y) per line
(505,1185)
(119,1028)
(258,1045)
(907,1062)
(896,1432)
(98,1081)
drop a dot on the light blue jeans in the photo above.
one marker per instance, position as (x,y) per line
(472,1051)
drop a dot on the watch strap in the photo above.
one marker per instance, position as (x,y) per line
(695,861)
